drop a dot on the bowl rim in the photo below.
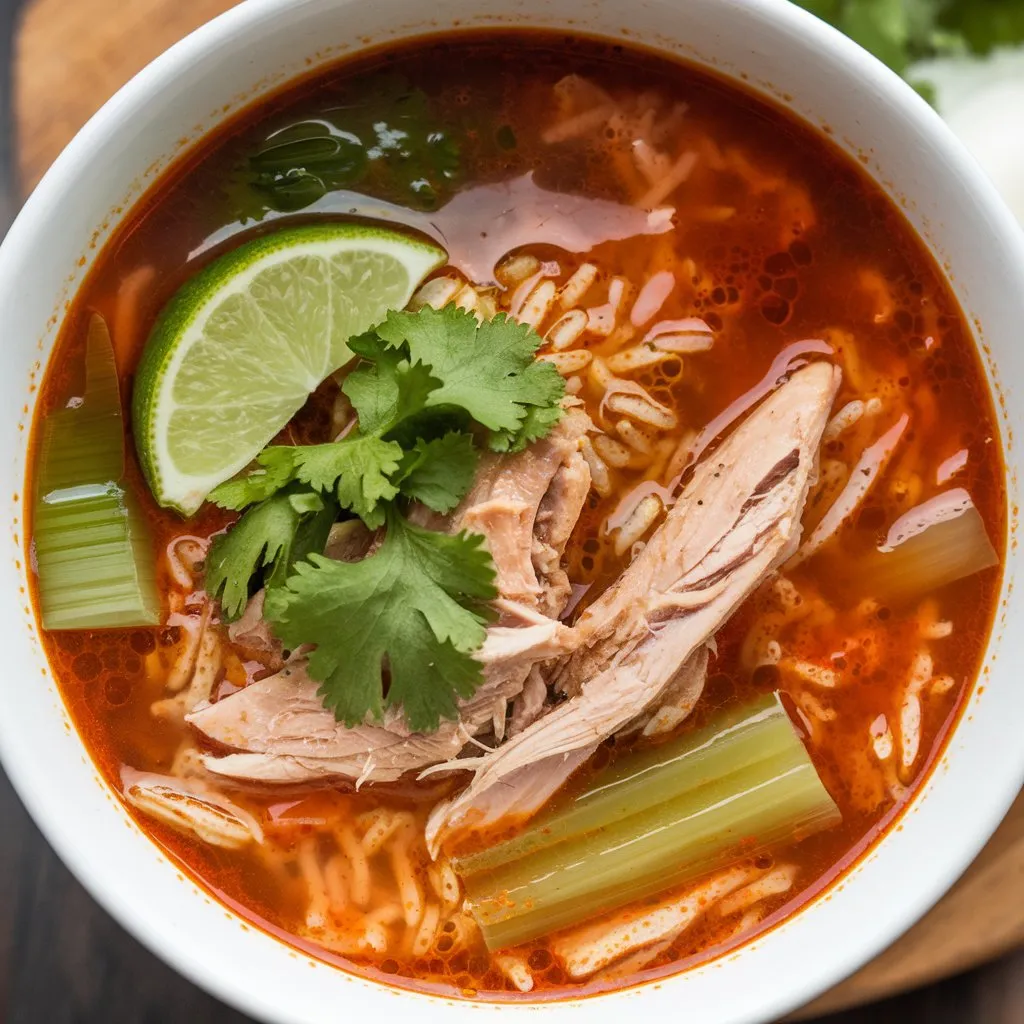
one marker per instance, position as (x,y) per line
(786,994)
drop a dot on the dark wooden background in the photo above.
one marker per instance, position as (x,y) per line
(64,961)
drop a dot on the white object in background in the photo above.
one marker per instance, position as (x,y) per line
(982,100)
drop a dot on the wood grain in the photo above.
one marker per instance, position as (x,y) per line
(981,918)
(63,960)
(73,54)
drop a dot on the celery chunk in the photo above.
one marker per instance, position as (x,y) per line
(940,541)
(95,560)
(656,819)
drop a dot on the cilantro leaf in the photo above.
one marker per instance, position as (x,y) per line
(305,501)
(537,423)
(274,470)
(400,627)
(439,472)
(416,606)
(265,538)
(316,517)
(487,369)
(358,470)
(385,388)
(881,27)
(422,375)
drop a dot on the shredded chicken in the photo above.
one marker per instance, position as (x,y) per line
(529,705)
(349,541)
(875,458)
(526,506)
(736,520)
(556,518)
(680,696)
(251,632)
(285,734)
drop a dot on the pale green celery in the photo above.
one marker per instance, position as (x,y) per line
(946,550)
(647,778)
(765,793)
(84,442)
(95,561)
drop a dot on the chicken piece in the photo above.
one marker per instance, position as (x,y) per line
(736,520)
(252,637)
(678,699)
(557,515)
(529,705)
(350,541)
(526,506)
(287,735)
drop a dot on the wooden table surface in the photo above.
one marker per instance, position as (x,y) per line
(63,960)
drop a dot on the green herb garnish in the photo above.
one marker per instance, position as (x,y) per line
(429,390)
(392,136)
(270,538)
(486,370)
(419,602)
(902,32)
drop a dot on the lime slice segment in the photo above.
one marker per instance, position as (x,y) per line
(241,346)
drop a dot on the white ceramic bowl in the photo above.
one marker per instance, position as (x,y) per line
(774,48)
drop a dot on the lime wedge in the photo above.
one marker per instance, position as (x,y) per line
(240,347)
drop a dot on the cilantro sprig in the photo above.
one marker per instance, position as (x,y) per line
(417,605)
(269,540)
(486,370)
(430,390)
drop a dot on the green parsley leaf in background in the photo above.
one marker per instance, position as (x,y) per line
(417,605)
(902,32)
(985,24)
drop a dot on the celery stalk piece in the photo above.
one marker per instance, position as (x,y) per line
(766,793)
(95,561)
(938,542)
(644,779)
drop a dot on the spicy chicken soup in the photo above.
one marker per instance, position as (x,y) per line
(515,515)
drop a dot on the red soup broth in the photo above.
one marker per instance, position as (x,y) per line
(778,237)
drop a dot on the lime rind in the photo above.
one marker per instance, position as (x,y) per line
(239,348)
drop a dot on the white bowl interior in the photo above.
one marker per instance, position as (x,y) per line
(776,49)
